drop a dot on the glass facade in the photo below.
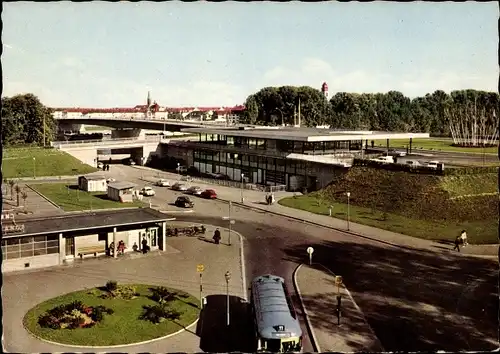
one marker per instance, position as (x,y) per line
(29,246)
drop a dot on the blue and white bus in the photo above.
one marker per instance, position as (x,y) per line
(277,327)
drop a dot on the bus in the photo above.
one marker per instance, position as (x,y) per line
(276,325)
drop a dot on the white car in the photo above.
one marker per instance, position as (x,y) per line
(163,183)
(109,180)
(434,164)
(413,163)
(179,187)
(100,165)
(148,191)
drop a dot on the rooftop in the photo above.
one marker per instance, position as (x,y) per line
(122,185)
(93,177)
(303,133)
(88,221)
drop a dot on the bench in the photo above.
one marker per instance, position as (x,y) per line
(91,250)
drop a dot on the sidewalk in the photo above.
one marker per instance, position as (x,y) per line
(317,294)
(255,200)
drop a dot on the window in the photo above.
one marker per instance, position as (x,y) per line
(21,247)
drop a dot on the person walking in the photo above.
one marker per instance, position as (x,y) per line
(144,246)
(463,236)
(458,241)
(217,236)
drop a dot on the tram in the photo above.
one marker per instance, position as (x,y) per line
(277,327)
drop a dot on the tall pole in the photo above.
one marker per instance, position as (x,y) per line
(44,131)
(227,276)
(201,290)
(242,176)
(348,211)
(34,168)
(229,238)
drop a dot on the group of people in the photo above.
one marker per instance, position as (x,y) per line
(120,248)
(461,240)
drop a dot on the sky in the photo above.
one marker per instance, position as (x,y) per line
(101,54)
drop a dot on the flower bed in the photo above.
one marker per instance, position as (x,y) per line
(112,315)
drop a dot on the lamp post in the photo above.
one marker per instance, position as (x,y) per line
(348,211)
(179,169)
(231,222)
(242,199)
(34,167)
(228,277)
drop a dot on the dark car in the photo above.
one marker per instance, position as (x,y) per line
(184,202)
(208,194)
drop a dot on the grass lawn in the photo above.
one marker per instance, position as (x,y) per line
(69,198)
(18,162)
(466,185)
(121,327)
(480,232)
(433,144)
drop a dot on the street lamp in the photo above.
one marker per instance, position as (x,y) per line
(34,167)
(242,199)
(179,169)
(348,210)
(228,277)
(231,222)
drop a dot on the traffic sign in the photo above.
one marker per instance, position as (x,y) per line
(200,268)
(310,250)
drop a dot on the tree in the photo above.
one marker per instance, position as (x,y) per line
(18,191)
(26,120)
(251,113)
(11,184)
(24,195)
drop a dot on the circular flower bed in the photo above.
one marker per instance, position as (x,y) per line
(112,315)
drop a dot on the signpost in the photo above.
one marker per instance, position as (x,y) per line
(310,251)
(200,268)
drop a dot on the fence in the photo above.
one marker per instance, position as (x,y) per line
(236,184)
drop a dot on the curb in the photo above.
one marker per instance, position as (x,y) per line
(44,197)
(243,268)
(314,340)
(411,248)
(112,346)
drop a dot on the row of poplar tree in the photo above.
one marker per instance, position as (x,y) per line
(391,111)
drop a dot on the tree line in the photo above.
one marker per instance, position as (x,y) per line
(25,120)
(392,111)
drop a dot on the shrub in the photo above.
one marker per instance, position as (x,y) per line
(111,285)
(124,292)
(48,321)
(159,313)
(162,294)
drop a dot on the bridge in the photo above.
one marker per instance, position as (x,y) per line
(141,149)
(127,127)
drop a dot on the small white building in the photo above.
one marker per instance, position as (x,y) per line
(92,183)
(121,191)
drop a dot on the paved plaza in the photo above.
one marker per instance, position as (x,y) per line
(176,268)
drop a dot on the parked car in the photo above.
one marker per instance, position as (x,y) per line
(148,191)
(208,194)
(130,162)
(186,179)
(398,153)
(413,163)
(100,165)
(184,202)
(109,180)
(162,183)
(179,187)
(384,159)
(434,164)
(194,190)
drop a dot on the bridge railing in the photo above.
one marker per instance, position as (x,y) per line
(107,142)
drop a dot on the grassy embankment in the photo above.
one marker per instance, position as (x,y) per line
(439,144)
(69,198)
(428,207)
(38,162)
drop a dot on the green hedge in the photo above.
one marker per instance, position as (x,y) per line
(470,171)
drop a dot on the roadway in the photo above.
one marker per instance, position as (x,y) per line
(415,300)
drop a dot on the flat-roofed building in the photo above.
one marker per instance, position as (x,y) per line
(294,157)
(29,242)
(92,183)
(121,191)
